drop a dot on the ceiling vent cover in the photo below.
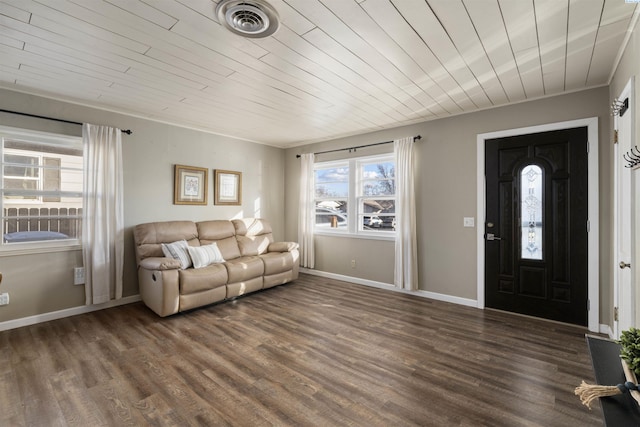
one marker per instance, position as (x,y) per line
(248,18)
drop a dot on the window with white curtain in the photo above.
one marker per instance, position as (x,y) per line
(356,197)
(42,177)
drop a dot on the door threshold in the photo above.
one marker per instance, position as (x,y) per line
(527,316)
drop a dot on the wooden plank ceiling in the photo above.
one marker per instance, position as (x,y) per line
(334,67)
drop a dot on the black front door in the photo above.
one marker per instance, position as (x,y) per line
(536,225)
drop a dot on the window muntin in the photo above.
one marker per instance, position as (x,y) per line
(531,212)
(42,180)
(356,196)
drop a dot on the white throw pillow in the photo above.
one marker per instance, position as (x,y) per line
(178,250)
(205,255)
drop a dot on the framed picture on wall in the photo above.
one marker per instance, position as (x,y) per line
(227,187)
(190,185)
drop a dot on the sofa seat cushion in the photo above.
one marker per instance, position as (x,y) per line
(244,268)
(196,280)
(276,262)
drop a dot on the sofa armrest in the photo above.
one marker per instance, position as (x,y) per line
(282,247)
(160,263)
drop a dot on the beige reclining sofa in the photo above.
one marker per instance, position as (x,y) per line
(225,259)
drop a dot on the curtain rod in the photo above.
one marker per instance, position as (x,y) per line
(415,138)
(127,131)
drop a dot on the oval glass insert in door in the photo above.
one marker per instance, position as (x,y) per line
(531,197)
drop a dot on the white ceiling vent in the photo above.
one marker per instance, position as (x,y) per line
(248,18)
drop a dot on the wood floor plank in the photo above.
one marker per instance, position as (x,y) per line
(316,352)
(12,413)
(116,406)
(77,406)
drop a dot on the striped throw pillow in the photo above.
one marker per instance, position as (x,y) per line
(205,255)
(178,250)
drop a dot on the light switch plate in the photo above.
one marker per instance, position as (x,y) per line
(469,221)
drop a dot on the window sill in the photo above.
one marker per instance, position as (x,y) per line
(366,236)
(26,249)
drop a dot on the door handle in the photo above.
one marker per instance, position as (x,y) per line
(491,236)
(624,265)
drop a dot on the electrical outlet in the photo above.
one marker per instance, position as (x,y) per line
(353,263)
(4,298)
(78,276)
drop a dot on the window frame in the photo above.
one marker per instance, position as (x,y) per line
(356,197)
(57,142)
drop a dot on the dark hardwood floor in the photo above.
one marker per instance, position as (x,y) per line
(316,352)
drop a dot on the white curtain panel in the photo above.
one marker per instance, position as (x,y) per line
(102,213)
(306,219)
(406,265)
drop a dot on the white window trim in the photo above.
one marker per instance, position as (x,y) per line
(354,197)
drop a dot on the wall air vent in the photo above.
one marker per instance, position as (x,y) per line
(248,18)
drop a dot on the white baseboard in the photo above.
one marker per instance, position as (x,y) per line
(424,294)
(68,312)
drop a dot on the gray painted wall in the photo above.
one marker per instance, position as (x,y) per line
(42,283)
(446,192)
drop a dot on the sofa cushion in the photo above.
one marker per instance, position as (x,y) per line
(276,262)
(221,232)
(201,256)
(229,248)
(215,230)
(178,250)
(244,268)
(251,226)
(165,232)
(248,247)
(160,263)
(254,230)
(149,237)
(245,287)
(254,235)
(282,246)
(196,280)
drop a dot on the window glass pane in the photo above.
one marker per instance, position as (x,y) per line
(379,188)
(331,214)
(378,222)
(386,206)
(43,222)
(378,179)
(20,184)
(378,214)
(382,170)
(11,167)
(332,182)
(531,182)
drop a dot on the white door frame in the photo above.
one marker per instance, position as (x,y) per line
(623,219)
(592,223)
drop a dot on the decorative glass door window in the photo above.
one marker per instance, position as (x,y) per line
(531,197)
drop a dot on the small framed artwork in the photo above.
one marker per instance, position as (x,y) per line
(228,187)
(190,185)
